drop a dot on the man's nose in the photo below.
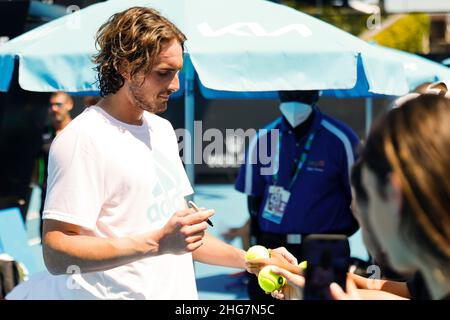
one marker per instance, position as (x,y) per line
(174,84)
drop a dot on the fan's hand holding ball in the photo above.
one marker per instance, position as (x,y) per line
(269,281)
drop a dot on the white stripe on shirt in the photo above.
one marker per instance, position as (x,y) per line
(249,162)
(343,137)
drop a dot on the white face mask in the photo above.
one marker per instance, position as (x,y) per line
(295,112)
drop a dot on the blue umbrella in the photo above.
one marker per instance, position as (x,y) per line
(234,45)
(245,46)
(416,68)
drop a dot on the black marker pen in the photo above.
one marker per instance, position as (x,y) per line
(194,206)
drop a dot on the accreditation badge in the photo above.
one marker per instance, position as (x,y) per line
(276,204)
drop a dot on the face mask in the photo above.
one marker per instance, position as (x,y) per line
(295,112)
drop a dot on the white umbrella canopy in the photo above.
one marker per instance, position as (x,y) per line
(234,45)
(250,47)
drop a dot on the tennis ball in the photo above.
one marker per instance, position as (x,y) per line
(269,281)
(303,264)
(257,252)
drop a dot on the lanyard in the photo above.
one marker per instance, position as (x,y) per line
(302,161)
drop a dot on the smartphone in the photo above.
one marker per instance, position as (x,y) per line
(328,257)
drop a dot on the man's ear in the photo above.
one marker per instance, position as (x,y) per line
(124,69)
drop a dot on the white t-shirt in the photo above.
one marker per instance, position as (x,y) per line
(114,179)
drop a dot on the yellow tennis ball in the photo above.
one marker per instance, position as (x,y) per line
(269,281)
(257,252)
(303,264)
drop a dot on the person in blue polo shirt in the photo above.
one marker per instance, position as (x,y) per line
(305,187)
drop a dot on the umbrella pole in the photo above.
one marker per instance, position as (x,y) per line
(189,117)
(369,112)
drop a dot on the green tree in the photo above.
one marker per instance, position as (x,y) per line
(407,33)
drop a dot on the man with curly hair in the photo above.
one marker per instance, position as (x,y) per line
(116,224)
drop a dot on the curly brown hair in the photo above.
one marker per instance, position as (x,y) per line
(129,42)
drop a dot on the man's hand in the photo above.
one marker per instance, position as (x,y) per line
(232,233)
(64,244)
(278,257)
(293,290)
(184,231)
(242,231)
(283,254)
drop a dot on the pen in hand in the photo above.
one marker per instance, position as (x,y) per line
(194,206)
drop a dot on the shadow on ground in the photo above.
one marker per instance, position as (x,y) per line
(232,285)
